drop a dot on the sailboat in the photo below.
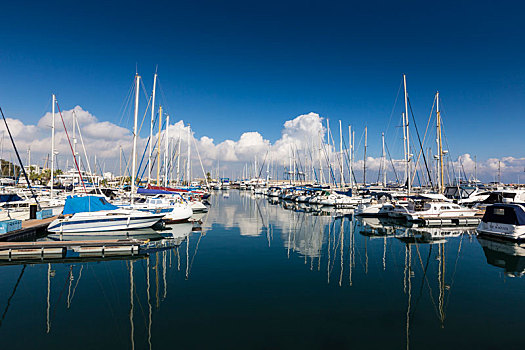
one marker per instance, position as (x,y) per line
(96,214)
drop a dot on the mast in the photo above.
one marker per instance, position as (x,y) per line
(383,159)
(409,185)
(405,149)
(151,126)
(166,152)
(52,146)
(341,151)
(188,168)
(134,155)
(439,145)
(353,151)
(120,161)
(294,166)
(74,136)
(321,179)
(499,172)
(475,170)
(290,168)
(364,157)
(329,148)
(29,159)
(178,159)
(350,155)
(158,146)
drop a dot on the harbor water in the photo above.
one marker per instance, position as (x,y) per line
(271,275)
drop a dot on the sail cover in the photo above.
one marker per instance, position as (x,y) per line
(86,204)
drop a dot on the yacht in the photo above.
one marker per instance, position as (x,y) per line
(466,195)
(273,191)
(504,220)
(174,208)
(95,214)
(432,206)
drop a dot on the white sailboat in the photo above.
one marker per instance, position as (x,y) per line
(96,215)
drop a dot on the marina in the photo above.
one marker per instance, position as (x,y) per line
(307,278)
(262,175)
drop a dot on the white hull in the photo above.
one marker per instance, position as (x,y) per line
(504,231)
(103,221)
(198,207)
(179,214)
(441,215)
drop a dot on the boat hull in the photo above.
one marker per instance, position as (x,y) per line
(101,225)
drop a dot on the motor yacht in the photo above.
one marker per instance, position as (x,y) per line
(504,220)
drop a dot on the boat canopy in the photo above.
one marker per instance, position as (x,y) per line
(512,214)
(75,204)
(346,193)
(11,197)
(141,190)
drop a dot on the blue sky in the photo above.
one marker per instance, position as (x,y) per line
(237,66)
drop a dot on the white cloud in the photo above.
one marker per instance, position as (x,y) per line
(300,135)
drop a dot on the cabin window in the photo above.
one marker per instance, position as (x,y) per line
(499,211)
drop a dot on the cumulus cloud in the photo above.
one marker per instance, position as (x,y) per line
(101,138)
(303,138)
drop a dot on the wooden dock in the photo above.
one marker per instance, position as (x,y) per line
(31,230)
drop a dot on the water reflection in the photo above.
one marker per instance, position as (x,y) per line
(326,237)
(310,275)
(506,255)
(65,277)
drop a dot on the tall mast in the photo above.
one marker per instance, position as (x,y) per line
(350,155)
(407,135)
(188,169)
(321,179)
(74,137)
(52,146)
(440,146)
(499,172)
(294,166)
(166,152)
(135,128)
(364,157)
(158,146)
(29,159)
(328,143)
(341,152)
(290,168)
(475,169)
(120,160)
(383,159)
(178,159)
(353,149)
(151,126)
(405,148)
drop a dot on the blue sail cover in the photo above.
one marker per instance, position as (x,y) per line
(9,197)
(141,190)
(86,204)
(346,193)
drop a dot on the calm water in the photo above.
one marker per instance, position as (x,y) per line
(263,276)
